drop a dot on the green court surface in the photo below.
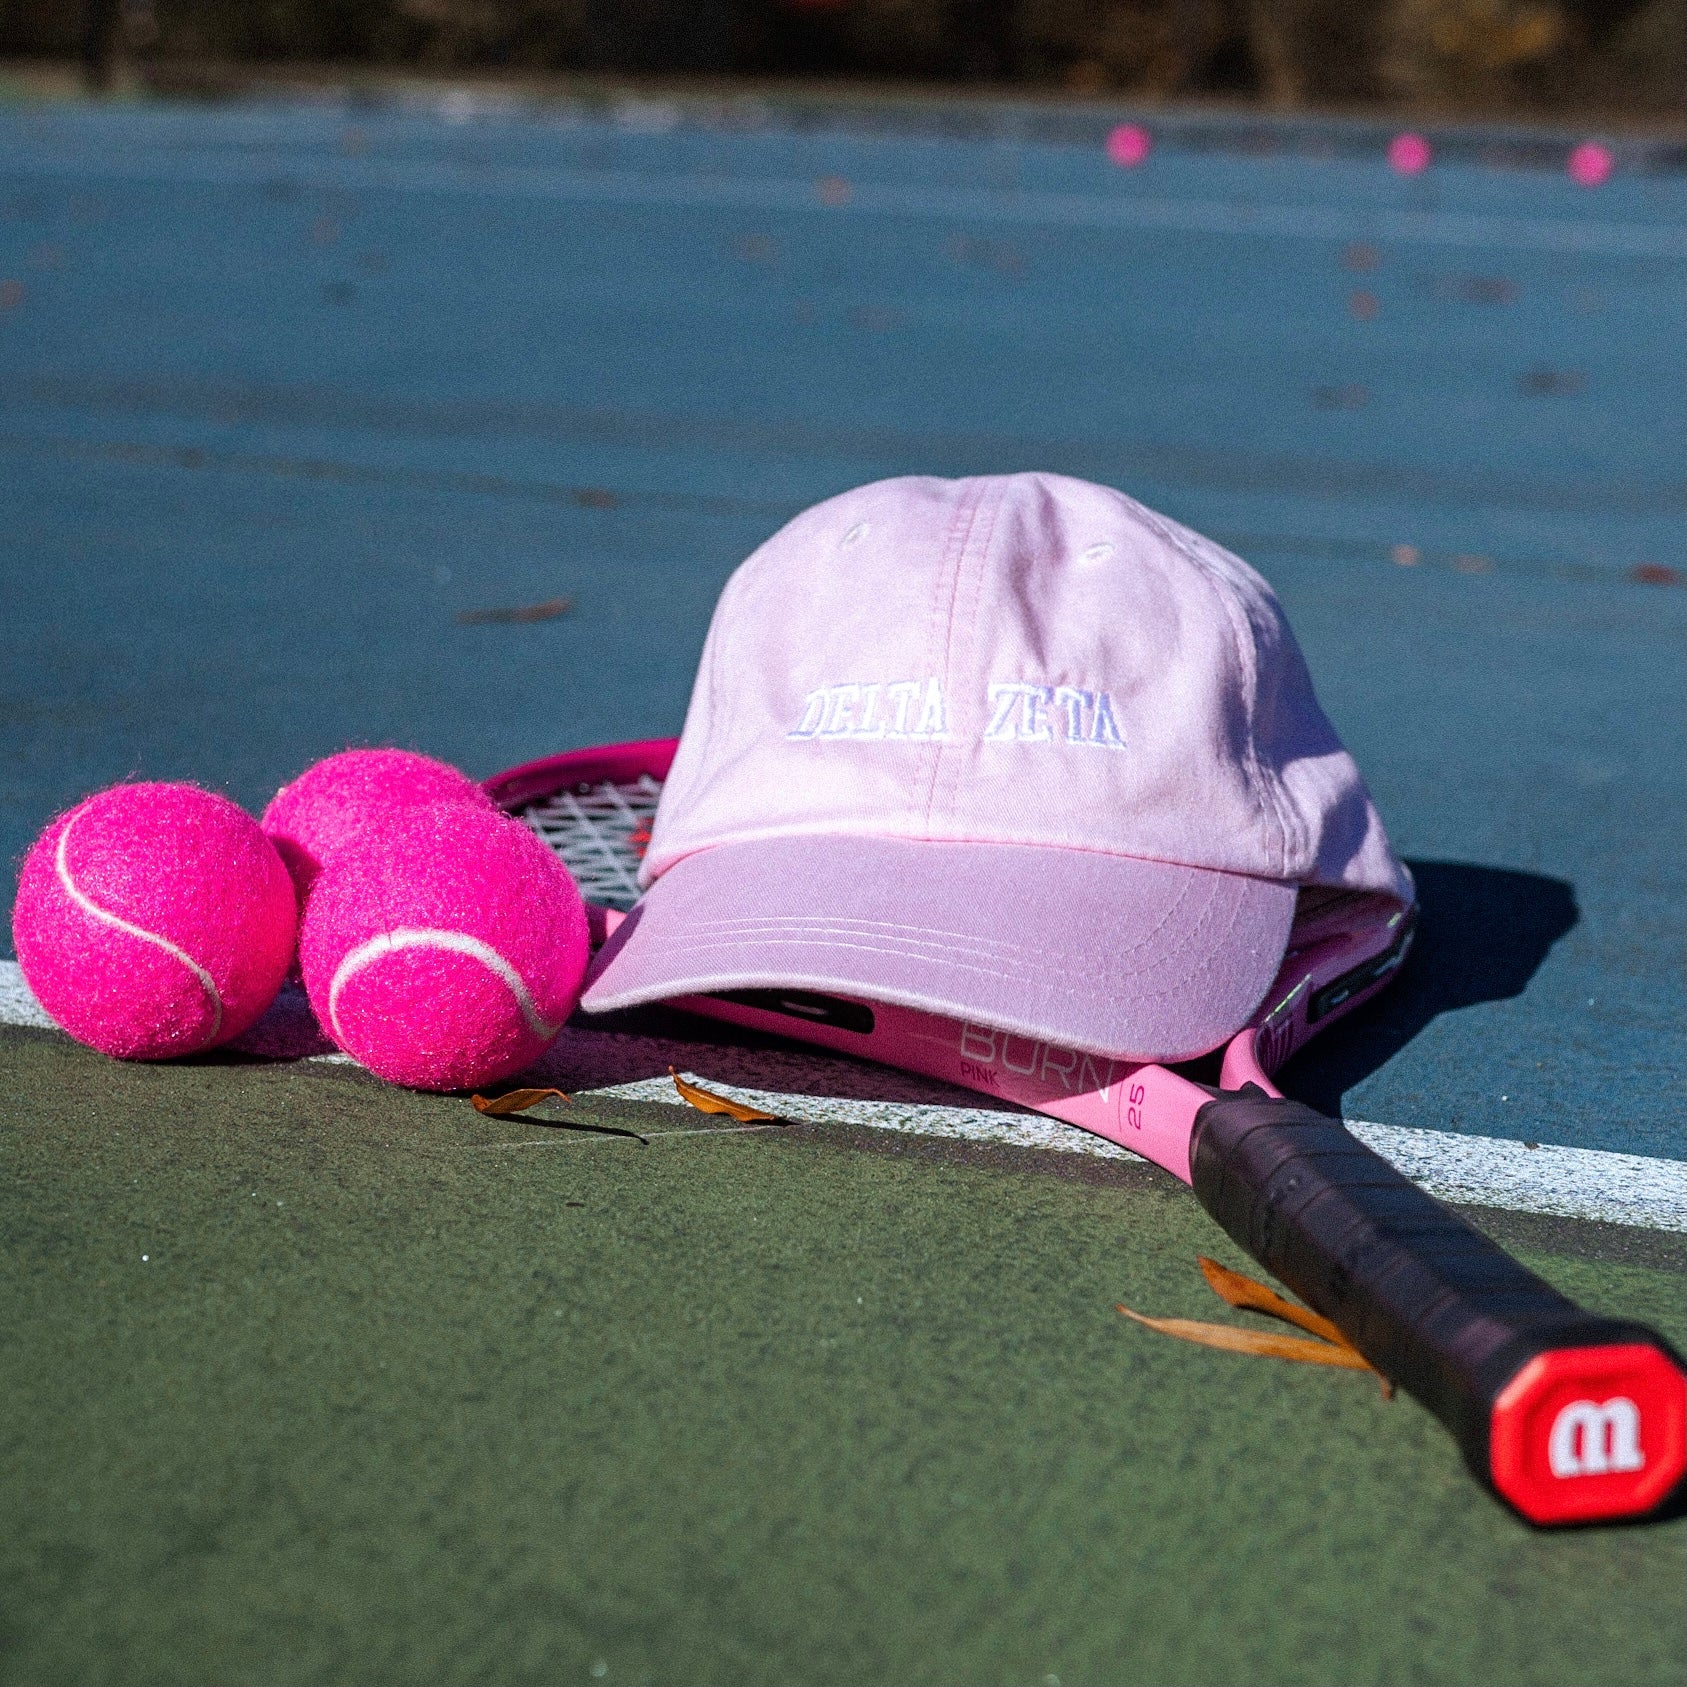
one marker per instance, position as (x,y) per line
(320,1381)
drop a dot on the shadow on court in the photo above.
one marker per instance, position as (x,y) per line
(1483,933)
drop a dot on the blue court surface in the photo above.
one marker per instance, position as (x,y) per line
(286,391)
(301,404)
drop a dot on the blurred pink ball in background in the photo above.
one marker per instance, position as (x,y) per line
(1409,155)
(1591,163)
(1129,145)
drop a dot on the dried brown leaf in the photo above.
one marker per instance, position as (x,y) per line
(1261,1342)
(514,1101)
(1237,1290)
(706,1101)
(549,610)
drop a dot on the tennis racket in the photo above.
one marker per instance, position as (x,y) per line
(1570,1417)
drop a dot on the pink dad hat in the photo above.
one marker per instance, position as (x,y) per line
(1014,750)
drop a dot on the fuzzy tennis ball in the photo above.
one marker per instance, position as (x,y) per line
(154,920)
(330,803)
(444,948)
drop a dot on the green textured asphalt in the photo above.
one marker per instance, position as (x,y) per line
(399,1394)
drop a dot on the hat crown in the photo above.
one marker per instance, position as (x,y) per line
(1021,659)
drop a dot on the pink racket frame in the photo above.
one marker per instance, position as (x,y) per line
(1145,1107)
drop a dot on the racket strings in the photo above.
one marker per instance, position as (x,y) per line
(600,832)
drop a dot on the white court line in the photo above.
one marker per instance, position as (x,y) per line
(1482,1171)
(1127,210)
(1476,1170)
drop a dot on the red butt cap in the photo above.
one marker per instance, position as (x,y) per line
(1585,1433)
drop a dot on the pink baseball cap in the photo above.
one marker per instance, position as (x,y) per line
(1012,749)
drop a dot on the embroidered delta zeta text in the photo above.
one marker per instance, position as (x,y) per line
(1026,714)
(915,710)
(908,708)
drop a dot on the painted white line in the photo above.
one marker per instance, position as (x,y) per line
(1575,1182)
(18,1005)
(1477,1170)
(566,1138)
(1126,210)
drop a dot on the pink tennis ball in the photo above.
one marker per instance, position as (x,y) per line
(1129,145)
(330,803)
(1410,155)
(154,920)
(445,949)
(1591,164)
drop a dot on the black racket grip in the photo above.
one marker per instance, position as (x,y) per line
(1569,1416)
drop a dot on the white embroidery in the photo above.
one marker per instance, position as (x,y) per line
(1004,701)
(813,712)
(901,696)
(855,711)
(868,724)
(934,718)
(1019,714)
(916,711)
(1076,705)
(1034,727)
(1105,731)
(840,712)
(1025,714)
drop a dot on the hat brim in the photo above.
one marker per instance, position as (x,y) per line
(1113,955)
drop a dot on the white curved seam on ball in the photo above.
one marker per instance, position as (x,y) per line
(459,943)
(94,911)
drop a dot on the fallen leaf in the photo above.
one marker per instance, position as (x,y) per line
(1656,574)
(1236,1290)
(1330,1347)
(1262,1342)
(706,1101)
(516,1101)
(549,610)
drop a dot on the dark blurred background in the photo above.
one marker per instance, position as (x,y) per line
(1477,58)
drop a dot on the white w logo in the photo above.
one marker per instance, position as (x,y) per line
(1590,1440)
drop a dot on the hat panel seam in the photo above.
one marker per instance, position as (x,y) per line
(966,624)
(940,629)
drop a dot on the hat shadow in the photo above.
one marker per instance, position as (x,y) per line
(1482,934)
